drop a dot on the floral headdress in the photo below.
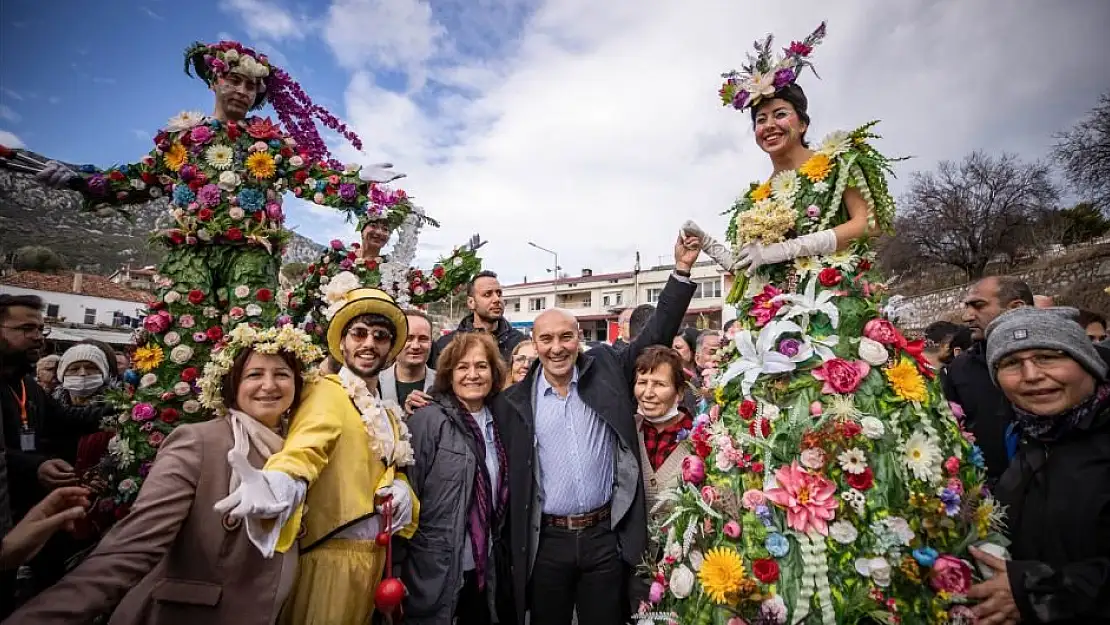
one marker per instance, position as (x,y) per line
(391,206)
(264,341)
(762,76)
(297,112)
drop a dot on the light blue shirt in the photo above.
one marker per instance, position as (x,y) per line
(485,424)
(575,448)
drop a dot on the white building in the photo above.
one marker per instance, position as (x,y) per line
(597,300)
(80,306)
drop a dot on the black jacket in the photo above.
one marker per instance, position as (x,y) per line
(1058,510)
(506,335)
(605,377)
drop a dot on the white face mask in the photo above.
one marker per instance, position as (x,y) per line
(83,385)
(667,416)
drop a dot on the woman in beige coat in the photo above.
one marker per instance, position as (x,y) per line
(174,559)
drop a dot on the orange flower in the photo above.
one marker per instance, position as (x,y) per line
(762,192)
(817,168)
(176,157)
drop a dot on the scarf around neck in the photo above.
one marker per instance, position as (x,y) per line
(1052,428)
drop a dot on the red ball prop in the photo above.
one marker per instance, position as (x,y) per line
(382,539)
(389,595)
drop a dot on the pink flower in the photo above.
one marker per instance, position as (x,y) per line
(714,413)
(156,438)
(709,495)
(236,312)
(816,409)
(199,337)
(753,498)
(813,458)
(143,412)
(732,530)
(764,308)
(655,595)
(956,486)
(883,331)
(957,411)
(186,321)
(273,211)
(952,465)
(842,376)
(809,500)
(336,244)
(693,470)
(157,324)
(951,575)
(201,134)
(736,620)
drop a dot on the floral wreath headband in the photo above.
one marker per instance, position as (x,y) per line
(392,207)
(264,341)
(297,112)
(763,75)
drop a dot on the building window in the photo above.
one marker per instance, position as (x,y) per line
(118,319)
(612,299)
(52,311)
(516,305)
(588,301)
(653,295)
(90,316)
(708,289)
(536,304)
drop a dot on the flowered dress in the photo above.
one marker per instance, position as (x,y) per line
(225,184)
(832,482)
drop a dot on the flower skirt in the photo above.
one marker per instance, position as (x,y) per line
(336,584)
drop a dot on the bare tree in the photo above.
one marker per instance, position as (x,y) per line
(1084,154)
(968,213)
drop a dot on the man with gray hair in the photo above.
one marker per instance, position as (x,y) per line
(577,520)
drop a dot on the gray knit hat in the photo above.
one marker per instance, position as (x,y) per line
(1042,328)
(83,351)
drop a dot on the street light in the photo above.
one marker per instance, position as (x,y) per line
(555,284)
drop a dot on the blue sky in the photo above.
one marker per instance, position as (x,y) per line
(590,128)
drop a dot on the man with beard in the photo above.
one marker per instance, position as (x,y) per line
(341,459)
(483,298)
(411,373)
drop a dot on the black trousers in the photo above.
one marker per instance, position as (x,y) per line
(579,570)
(472,607)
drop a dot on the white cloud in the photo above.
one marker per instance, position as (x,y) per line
(600,131)
(267,20)
(6,113)
(15,95)
(10,140)
(390,34)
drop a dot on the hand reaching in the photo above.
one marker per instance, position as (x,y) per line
(57,511)
(380,173)
(686,250)
(55,175)
(717,251)
(253,497)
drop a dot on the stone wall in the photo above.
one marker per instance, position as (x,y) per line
(1075,279)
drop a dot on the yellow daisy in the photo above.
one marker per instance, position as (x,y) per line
(148,357)
(261,165)
(907,382)
(817,168)
(176,157)
(722,575)
(762,192)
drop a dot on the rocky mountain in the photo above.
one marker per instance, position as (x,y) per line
(31,214)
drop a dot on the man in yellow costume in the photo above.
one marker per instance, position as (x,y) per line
(340,460)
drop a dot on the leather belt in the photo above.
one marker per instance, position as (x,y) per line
(578,521)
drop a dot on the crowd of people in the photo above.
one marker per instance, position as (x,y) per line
(345,467)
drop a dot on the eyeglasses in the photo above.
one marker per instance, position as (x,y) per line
(521,359)
(1042,361)
(30,329)
(379,336)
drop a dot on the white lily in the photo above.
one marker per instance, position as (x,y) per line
(760,357)
(823,346)
(809,303)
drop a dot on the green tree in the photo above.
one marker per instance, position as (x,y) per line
(38,258)
(1083,222)
(293,271)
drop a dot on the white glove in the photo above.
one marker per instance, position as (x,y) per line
(380,173)
(260,494)
(712,248)
(402,504)
(56,175)
(754,255)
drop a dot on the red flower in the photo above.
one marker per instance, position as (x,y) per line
(204,214)
(264,295)
(864,265)
(188,374)
(234,234)
(263,129)
(849,429)
(351,255)
(286,152)
(841,376)
(438,272)
(829,276)
(214,333)
(148,177)
(747,409)
(300,176)
(116,176)
(861,481)
(701,442)
(764,427)
(766,570)
(176,237)
(371,264)
(233,131)
(312,268)
(757,467)
(196,296)
(168,415)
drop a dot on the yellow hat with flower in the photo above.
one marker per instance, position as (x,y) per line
(359,301)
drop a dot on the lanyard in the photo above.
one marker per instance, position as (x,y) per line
(22,401)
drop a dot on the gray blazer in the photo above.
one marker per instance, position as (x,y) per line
(387,382)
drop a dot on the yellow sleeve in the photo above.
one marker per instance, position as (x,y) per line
(408,531)
(315,428)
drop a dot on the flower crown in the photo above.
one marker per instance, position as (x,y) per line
(391,206)
(297,112)
(264,341)
(762,76)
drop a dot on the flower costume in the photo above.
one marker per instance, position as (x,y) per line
(323,491)
(224,182)
(847,489)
